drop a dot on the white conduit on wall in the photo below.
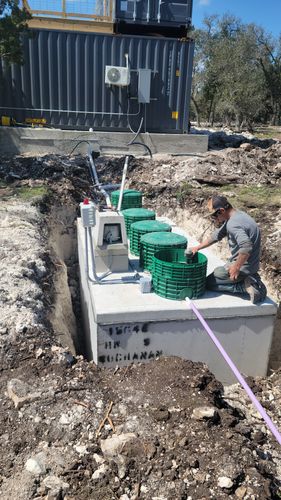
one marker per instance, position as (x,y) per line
(237,374)
(72,111)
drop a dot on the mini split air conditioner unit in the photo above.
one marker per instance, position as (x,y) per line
(117,75)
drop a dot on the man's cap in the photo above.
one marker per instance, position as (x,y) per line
(217,202)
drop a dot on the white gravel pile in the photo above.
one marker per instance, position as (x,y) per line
(21,268)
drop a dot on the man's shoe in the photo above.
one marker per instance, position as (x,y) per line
(255,288)
(252,289)
(262,289)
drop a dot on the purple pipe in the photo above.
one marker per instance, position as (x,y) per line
(237,374)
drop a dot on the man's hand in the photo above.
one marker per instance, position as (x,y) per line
(233,271)
(195,249)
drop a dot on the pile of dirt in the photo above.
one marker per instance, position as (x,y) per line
(169,433)
(165,430)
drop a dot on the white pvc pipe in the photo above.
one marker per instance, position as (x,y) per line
(123,183)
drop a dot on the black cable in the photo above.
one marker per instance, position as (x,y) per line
(136,133)
(78,143)
(143,145)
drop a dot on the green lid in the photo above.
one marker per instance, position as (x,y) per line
(137,212)
(150,226)
(169,239)
(137,229)
(130,199)
(127,193)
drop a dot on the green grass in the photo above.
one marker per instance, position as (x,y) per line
(26,193)
(268,132)
(29,193)
(253,196)
(184,191)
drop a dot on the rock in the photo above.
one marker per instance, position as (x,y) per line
(225,482)
(36,465)
(241,492)
(20,392)
(55,486)
(246,146)
(40,270)
(98,458)
(39,353)
(203,412)
(183,442)
(122,468)
(100,472)
(81,449)
(193,462)
(63,356)
(150,450)
(161,414)
(114,445)
(65,419)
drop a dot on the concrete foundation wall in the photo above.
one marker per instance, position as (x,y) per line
(43,141)
(124,326)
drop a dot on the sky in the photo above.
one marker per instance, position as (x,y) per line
(264,13)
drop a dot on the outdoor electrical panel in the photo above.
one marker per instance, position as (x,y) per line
(144,83)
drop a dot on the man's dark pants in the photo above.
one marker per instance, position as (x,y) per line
(219,281)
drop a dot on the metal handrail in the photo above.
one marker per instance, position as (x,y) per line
(63,14)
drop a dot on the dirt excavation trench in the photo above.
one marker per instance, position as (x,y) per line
(158,431)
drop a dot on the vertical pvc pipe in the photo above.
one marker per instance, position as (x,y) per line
(123,183)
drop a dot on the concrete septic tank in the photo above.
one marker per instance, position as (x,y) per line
(123,325)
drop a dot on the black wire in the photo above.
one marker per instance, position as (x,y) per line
(78,143)
(143,145)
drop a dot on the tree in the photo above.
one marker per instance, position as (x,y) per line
(237,73)
(270,61)
(13,23)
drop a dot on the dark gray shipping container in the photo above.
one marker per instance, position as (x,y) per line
(154,12)
(63,80)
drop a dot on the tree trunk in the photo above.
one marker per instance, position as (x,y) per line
(197,111)
(238,122)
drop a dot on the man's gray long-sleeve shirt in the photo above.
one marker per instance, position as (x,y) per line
(243,236)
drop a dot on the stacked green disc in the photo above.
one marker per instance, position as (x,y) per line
(140,228)
(132,215)
(131,199)
(154,242)
(174,279)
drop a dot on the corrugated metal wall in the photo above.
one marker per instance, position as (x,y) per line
(62,80)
